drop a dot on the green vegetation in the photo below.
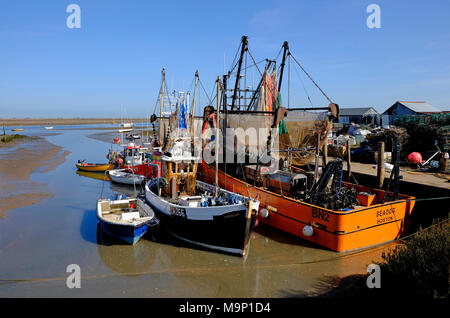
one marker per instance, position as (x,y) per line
(416,268)
(419,268)
(9,138)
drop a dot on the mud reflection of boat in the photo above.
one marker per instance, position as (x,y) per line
(94,175)
(123,258)
(82,165)
(127,219)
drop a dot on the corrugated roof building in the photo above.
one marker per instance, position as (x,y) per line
(410,108)
(359,115)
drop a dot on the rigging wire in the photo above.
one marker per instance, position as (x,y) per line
(304,88)
(250,66)
(254,62)
(307,74)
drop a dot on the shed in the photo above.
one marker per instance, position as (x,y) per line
(410,108)
(360,115)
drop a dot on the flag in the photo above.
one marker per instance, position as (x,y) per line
(183,116)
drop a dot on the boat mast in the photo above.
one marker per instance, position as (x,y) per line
(161,132)
(193,106)
(286,48)
(243,49)
(217,137)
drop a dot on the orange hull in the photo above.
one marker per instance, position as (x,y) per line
(337,230)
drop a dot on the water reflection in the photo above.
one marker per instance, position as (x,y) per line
(125,258)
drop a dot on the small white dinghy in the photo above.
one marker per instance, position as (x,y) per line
(127,219)
(125,177)
(48,127)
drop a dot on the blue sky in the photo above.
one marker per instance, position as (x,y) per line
(111,66)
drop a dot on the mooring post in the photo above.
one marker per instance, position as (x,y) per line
(316,161)
(349,165)
(396,168)
(380,164)
(325,153)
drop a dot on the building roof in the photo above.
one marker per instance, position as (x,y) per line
(359,111)
(419,107)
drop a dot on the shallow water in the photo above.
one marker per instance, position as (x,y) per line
(38,242)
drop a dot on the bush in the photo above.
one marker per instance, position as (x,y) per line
(420,267)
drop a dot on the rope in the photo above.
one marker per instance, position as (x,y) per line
(304,88)
(252,65)
(254,62)
(323,93)
(207,96)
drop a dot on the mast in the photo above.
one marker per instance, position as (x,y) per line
(225,121)
(217,136)
(161,132)
(243,49)
(193,105)
(286,48)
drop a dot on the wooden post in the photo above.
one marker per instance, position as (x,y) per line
(316,162)
(4,133)
(325,153)
(349,165)
(380,164)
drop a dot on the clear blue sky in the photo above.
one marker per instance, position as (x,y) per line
(111,66)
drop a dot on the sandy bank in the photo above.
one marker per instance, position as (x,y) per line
(18,160)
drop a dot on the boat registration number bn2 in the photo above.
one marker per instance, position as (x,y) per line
(317,213)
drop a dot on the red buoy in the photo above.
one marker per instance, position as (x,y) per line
(415,157)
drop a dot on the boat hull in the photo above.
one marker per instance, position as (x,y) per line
(128,234)
(95,167)
(336,230)
(226,228)
(127,178)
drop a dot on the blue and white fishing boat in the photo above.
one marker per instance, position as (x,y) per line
(126,219)
(196,212)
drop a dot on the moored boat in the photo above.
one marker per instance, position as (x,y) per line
(125,177)
(314,205)
(193,211)
(223,223)
(48,127)
(84,166)
(127,219)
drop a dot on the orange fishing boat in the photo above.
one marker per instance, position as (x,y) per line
(313,205)
(371,222)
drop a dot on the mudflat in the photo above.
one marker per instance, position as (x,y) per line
(18,160)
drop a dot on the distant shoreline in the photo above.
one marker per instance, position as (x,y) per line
(66,121)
